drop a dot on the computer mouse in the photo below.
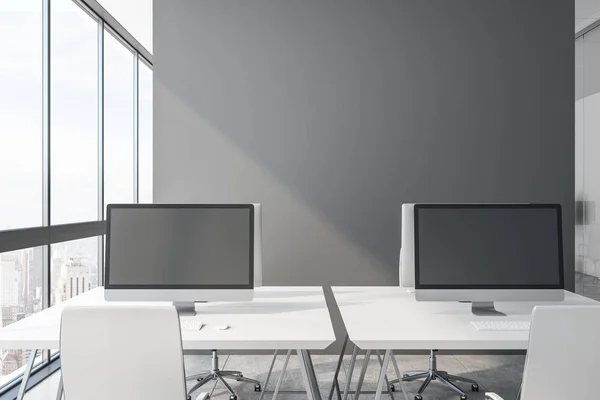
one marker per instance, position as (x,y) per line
(222,327)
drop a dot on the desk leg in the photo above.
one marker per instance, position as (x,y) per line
(264,389)
(361,377)
(308,373)
(59,393)
(281,375)
(399,376)
(26,374)
(382,374)
(335,386)
(350,372)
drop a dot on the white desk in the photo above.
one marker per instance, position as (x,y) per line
(277,318)
(390,318)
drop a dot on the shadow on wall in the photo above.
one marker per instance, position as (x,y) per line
(300,237)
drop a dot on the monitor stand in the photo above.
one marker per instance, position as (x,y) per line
(485,309)
(185,308)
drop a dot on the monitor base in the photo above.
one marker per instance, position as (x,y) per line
(185,308)
(485,309)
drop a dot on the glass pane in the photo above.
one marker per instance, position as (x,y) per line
(145,133)
(74,268)
(118,122)
(74,114)
(587,166)
(20,297)
(20,113)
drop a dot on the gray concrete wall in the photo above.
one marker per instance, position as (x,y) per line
(334,113)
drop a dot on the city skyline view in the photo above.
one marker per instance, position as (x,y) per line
(74,270)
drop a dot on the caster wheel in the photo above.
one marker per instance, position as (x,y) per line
(463,397)
(418,397)
(392,388)
(241,375)
(475,387)
(257,388)
(233,397)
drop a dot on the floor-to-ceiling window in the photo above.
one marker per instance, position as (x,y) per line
(75,135)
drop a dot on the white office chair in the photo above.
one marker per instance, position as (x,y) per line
(563,341)
(121,353)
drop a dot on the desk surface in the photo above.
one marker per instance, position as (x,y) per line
(389,317)
(277,318)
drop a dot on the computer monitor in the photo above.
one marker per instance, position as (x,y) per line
(488,252)
(183,253)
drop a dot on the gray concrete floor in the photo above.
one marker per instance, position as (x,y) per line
(498,373)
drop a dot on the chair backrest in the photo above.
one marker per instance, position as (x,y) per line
(563,340)
(121,352)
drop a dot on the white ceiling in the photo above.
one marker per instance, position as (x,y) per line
(135,16)
(586,13)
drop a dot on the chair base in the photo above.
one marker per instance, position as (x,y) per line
(215,374)
(433,374)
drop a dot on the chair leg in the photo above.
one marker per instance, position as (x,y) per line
(232,373)
(243,379)
(426,383)
(450,385)
(60,391)
(460,379)
(199,375)
(415,377)
(198,385)
(410,373)
(229,389)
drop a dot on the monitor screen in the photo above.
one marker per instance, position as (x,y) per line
(488,247)
(180,246)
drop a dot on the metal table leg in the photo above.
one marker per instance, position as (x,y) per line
(361,377)
(308,373)
(335,386)
(350,371)
(26,374)
(382,374)
(280,380)
(398,376)
(262,395)
(387,382)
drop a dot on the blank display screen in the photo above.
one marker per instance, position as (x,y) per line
(162,247)
(488,247)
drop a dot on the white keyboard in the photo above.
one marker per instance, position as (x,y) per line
(190,324)
(502,325)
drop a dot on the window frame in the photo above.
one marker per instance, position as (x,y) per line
(47,234)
